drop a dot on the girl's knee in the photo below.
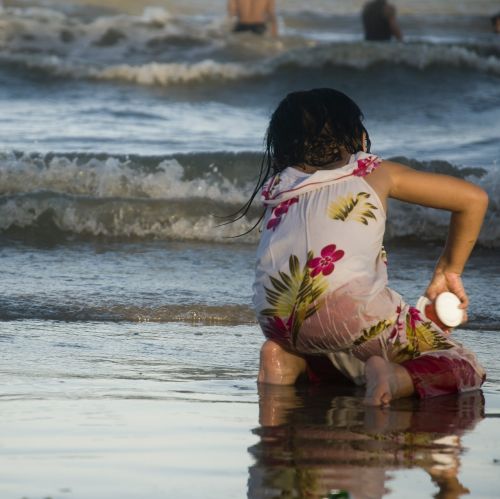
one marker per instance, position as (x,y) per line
(278,366)
(270,350)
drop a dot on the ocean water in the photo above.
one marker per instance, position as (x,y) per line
(129,346)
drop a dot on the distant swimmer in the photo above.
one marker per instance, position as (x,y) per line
(495,23)
(379,21)
(253,16)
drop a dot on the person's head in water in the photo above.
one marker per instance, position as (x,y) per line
(495,23)
(316,128)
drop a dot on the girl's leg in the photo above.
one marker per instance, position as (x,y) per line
(278,366)
(440,373)
(414,356)
(386,381)
(430,375)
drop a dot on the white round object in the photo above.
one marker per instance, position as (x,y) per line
(422,302)
(447,310)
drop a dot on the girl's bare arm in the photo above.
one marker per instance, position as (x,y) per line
(467,204)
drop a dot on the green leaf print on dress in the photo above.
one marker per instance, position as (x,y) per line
(421,337)
(352,207)
(409,339)
(294,296)
(373,331)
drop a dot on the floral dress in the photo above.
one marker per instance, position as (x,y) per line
(321,282)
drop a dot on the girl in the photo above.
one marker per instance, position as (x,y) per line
(321,281)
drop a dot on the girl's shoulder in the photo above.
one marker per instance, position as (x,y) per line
(291,182)
(381,179)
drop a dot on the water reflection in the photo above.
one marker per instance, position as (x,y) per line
(321,442)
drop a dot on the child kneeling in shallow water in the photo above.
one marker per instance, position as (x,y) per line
(321,288)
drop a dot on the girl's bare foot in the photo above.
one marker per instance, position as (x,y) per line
(385,381)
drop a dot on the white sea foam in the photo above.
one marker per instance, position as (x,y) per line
(112,177)
(53,215)
(359,56)
(174,73)
(114,197)
(110,198)
(161,48)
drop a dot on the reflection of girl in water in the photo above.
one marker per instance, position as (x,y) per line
(312,442)
(321,277)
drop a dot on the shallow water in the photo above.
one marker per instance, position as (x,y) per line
(185,281)
(132,409)
(126,361)
(129,345)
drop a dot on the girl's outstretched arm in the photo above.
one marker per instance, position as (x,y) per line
(467,204)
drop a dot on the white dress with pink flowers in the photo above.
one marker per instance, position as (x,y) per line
(321,282)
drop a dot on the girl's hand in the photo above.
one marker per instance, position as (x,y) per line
(448,281)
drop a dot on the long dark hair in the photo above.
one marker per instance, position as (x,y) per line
(309,127)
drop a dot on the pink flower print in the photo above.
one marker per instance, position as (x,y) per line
(282,208)
(267,190)
(273,223)
(324,264)
(279,330)
(415,317)
(278,325)
(398,333)
(279,212)
(366,166)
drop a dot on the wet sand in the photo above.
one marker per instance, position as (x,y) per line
(125,410)
(302,442)
(125,449)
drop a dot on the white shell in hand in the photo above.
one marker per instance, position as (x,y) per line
(446,305)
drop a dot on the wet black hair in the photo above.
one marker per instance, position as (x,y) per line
(309,127)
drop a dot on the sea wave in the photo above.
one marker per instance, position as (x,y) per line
(136,177)
(72,310)
(358,56)
(184,197)
(161,49)
(197,313)
(450,8)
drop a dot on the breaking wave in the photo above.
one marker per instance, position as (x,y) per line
(196,313)
(163,49)
(185,197)
(358,56)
